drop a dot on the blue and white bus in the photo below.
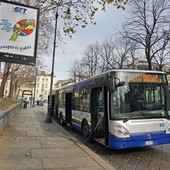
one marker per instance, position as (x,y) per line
(120,108)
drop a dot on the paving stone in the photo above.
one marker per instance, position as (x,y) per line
(68,163)
(31,144)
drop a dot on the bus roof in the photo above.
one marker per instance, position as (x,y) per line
(88,81)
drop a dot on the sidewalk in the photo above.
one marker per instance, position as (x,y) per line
(31,144)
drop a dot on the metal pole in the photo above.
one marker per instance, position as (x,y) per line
(36,70)
(50,112)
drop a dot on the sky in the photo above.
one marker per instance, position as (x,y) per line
(107,23)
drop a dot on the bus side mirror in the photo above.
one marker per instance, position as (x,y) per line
(121,83)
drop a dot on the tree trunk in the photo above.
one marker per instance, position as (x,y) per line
(4,79)
(148,57)
(11,86)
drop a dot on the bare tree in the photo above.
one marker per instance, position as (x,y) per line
(13,79)
(148,25)
(111,54)
(107,55)
(89,64)
(124,52)
(76,71)
(6,73)
(162,59)
(118,52)
(21,75)
(90,60)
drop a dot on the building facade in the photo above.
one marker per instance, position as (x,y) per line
(43,82)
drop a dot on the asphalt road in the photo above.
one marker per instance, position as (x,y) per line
(148,158)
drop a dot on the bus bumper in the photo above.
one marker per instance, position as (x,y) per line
(138,140)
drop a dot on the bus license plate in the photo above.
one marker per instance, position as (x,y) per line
(149,143)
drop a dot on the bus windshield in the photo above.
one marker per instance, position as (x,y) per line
(142,96)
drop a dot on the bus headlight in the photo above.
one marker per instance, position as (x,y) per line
(119,131)
(168,129)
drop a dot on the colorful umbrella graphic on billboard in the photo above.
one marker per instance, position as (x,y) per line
(23,28)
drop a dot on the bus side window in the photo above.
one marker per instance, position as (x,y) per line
(84,99)
(62,100)
(81,100)
(76,100)
(73,103)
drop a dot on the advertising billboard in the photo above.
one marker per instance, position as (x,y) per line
(18,33)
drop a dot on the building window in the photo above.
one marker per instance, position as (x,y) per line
(45,92)
(46,86)
(46,79)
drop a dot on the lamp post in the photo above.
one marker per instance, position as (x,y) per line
(49,111)
(36,70)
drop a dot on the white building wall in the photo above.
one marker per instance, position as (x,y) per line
(43,83)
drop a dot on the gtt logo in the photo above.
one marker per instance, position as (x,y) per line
(20,10)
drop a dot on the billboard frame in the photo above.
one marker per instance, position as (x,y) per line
(11,57)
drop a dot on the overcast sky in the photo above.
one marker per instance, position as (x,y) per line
(107,23)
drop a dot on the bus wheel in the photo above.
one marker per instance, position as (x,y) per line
(85,131)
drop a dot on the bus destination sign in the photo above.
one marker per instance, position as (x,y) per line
(146,78)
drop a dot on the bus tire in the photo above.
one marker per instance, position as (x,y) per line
(85,131)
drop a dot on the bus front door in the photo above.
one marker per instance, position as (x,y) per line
(98,106)
(68,108)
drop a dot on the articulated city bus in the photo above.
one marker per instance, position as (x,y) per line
(120,108)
